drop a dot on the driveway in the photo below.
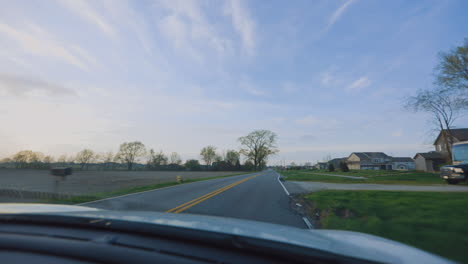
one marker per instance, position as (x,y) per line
(342,176)
(297,187)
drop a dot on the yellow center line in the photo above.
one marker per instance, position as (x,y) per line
(207,196)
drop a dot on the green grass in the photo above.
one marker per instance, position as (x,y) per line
(435,222)
(97,196)
(384,177)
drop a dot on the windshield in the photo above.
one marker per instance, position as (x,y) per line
(460,153)
(307,114)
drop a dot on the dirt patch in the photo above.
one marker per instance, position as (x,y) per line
(316,215)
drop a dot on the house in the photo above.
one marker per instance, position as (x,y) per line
(336,162)
(321,166)
(458,134)
(429,161)
(402,163)
(369,161)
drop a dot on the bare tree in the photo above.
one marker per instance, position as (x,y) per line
(129,152)
(156,159)
(232,157)
(21,158)
(208,154)
(327,158)
(85,157)
(62,160)
(107,158)
(175,158)
(444,108)
(48,160)
(258,145)
(28,159)
(71,159)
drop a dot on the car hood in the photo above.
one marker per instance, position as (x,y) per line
(352,244)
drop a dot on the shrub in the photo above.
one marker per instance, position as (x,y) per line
(344,166)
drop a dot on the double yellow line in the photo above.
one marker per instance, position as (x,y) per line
(207,196)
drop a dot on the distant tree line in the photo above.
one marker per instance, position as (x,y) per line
(257,146)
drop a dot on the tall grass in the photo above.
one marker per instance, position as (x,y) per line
(433,221)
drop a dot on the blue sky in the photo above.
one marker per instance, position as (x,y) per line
(327,76)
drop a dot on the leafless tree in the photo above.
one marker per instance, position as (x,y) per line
(208,154)
(444,108)
(62,160)
(85,157)
(232,157)
(258,145)
(156,159)
(129,152)
(175,158)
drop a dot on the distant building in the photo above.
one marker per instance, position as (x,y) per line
(369,161)
(321,166)
(402,163)
(458,134)
(429,161)
(336,162)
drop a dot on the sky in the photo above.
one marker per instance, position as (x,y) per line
(328,77)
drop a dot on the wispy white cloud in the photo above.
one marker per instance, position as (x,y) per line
(254,91)
(327,78)
(26,85)
(307,121)
(186,26)
(338,13)
(397,133)
(125,13)
(84,10)
(358,85)
(243,24)
(38,41)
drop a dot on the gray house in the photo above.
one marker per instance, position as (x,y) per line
(336,162)
(321,166)
(430,161)
(369,161)
(458,134)
(403,163)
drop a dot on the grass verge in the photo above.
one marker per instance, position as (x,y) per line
(389,177)
(435,222)
(97,196)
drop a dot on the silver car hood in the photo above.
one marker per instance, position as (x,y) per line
(353,244)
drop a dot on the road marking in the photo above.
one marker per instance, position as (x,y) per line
(207,196)
(284,188)
(307,222)
(174,186)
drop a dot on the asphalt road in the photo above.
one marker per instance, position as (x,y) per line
(256,196)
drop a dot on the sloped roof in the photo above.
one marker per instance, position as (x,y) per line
(431,155)
(371,155)
(459,133)
(402,159)
(336,160)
